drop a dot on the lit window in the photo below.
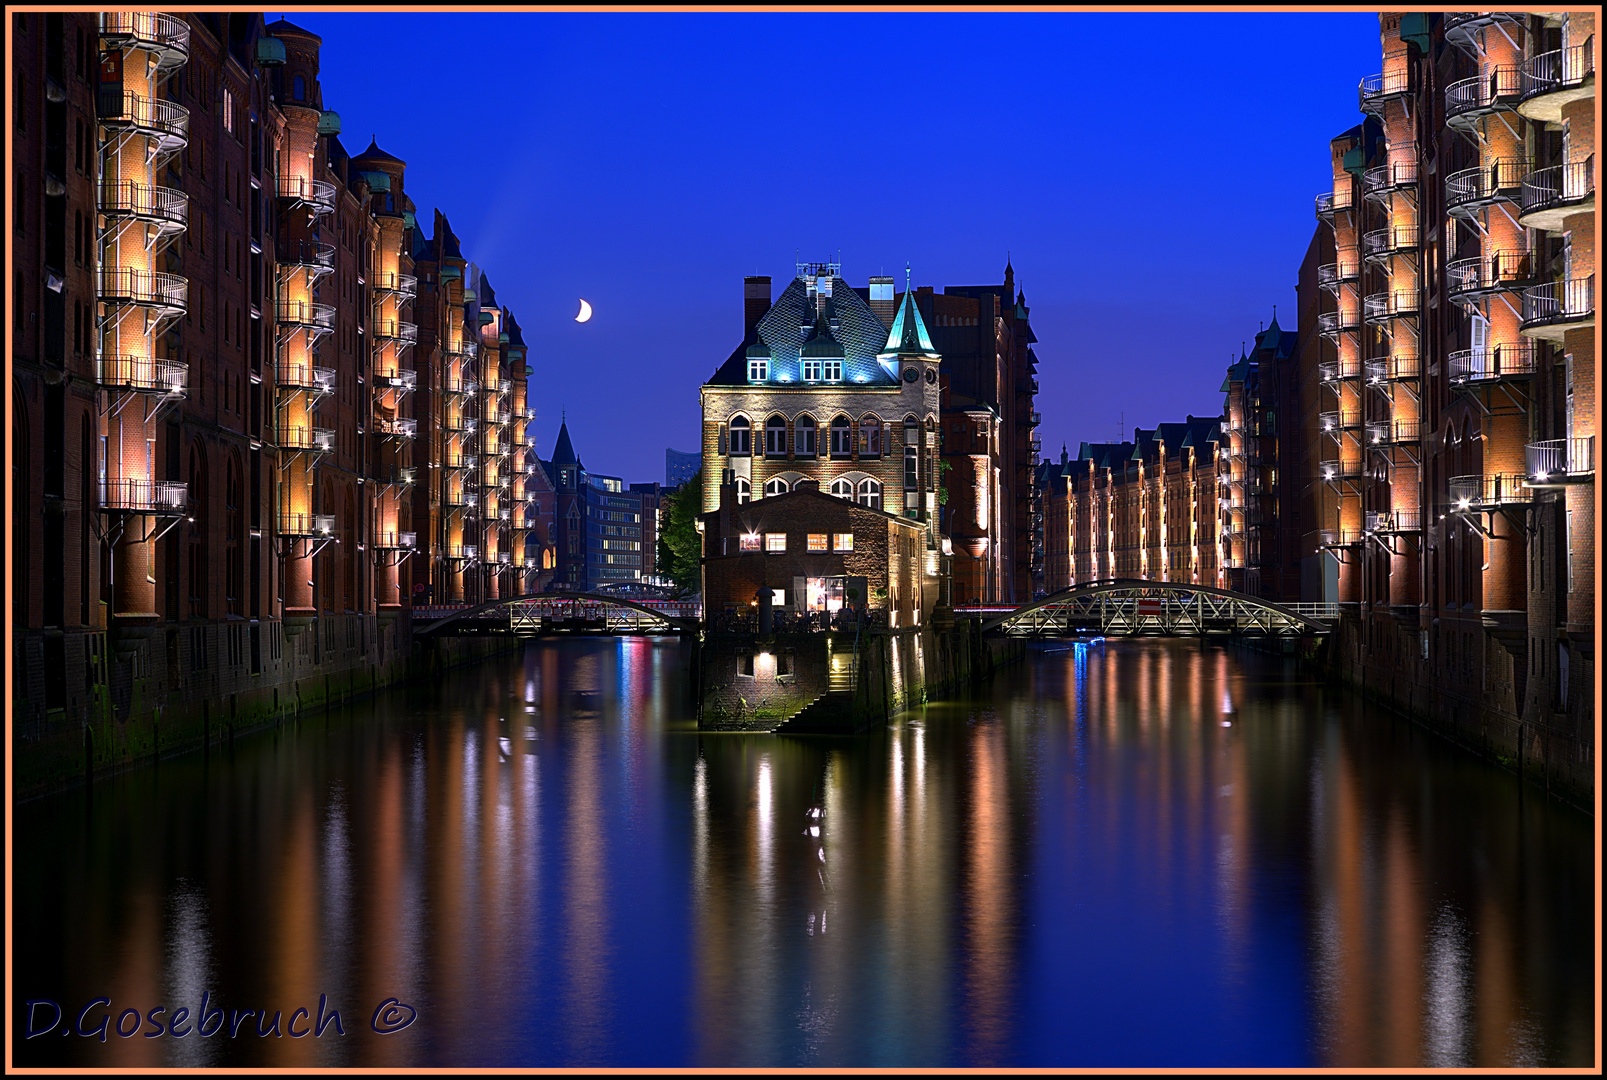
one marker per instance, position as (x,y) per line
(811,371)
(776,486)
(834,371)
(817,541)
(741,436)
(758,369)
(228,110)
(775,542)
(750,542)
(744,490)
(842,541)
(870,494)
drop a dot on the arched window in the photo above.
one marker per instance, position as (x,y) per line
(776,486)
(870,494)
(775,436)
(842,436)
(744,490)
(804,436)
(298,89)
(843,489)
(741,436)
(870,436)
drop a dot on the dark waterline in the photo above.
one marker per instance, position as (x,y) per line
(1144,854)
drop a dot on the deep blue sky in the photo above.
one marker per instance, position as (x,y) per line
(1151,177)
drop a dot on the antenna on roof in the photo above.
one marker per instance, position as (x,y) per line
(906,276)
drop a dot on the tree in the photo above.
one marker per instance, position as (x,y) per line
(679,546)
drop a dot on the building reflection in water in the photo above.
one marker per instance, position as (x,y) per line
(1144,853)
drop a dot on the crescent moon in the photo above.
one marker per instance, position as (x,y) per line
(585,312)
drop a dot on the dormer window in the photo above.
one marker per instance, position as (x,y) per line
(833,371)
(758,369)
(811,371)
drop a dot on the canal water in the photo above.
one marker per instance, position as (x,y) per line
(1150,853)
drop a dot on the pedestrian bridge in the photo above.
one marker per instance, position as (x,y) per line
(559,613)
(1130,607)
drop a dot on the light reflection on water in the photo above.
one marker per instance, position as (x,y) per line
(1143,853)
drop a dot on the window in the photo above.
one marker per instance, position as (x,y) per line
(777,486)
(841,437)
(870,494)
(298,89)
(758,369)
(834,371)
(870,436)
(750,541)
(744,490)
(775,543)
(842,541)
(228,110)
(843,489)
(741,436)
(817,541)
(775,436)
(911,470)
(811,371)
(803,439)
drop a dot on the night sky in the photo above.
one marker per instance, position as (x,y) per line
(1151,177)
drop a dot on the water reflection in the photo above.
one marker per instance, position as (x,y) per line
(1144,853)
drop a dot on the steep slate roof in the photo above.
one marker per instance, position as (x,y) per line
(488,296)
(1106,455)
(908,334)
(792,321)
(563,453)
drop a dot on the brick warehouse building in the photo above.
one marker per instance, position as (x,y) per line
(231,443)
(1459,369)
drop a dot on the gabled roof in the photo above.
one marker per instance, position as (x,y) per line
(908,335)
(1105,455)
(792,321)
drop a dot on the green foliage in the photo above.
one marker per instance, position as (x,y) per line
(678,544)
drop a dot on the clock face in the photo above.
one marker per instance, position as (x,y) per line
(910,374)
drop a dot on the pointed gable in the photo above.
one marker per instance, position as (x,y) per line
(908,335)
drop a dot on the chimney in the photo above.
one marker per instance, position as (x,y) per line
(728,488)
(882,301)
(755,302)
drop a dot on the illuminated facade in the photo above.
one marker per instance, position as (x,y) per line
(218,381)
(1460,411)
(824,389)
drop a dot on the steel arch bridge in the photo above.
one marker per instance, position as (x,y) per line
(1129,607)
(575,613)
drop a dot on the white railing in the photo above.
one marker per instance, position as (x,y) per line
(166,497)
(1556,459)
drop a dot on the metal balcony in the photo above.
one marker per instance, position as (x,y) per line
(306,525)
(404,333)
(1470,100)
(1550,195)
(293,438)
(1395,304)
(1393,432)
(1342,469)
(1552,309)
(1331,202)
(403,285)
(1336,420)
(317,381)
(398,428)
(316,259)
(1375,90)
(1347,269)
(1471,190)
(1332,538)
(1472,367)
(144,375)
(1394,521)
(317,195)
(1387,369)
(167,123)
(459,459)
(403,379)
(461,498)
(1462,27)
(1552,80)
(169,294)
(1471,280)
(1380,181)
(1391,240)
(1333,323)
(163,208)
(396,541)
(1336,371)
(306,313)
(1486,492)
(1557,462)
(167,37)
(504,558)
(163,498)
(466,553)
(453,382)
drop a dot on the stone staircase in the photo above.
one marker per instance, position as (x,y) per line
(830,713)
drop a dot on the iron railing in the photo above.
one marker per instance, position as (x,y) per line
(298,437)
(165,120)
(1339,537)
(1392,369)
(1500,272)
(1559,302)
(317,193)
(310,253)
(294,524)
(1554,460)
(1330,202)
(1561,69)
(305,313)
(1348,268)
(1390,432)
(144,374)
(1495,489)
(1334,322)
(1470,189)
(396,541)
(1374,90)
(1382,179)
(296,375)
(1339,420)
(1333,371)
(148,287)
(1389,240)
(147,202)
(161,497)
(1389,305)
(1558,187)
(405,285)
(1511,361)
(1495,87)
(399,427)
(395,330)
(150,30)
(1394,521)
